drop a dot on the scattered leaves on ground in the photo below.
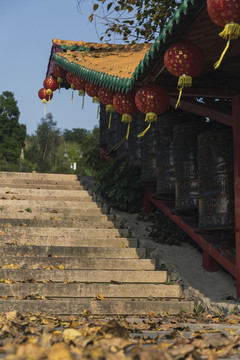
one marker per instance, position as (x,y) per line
(152,337)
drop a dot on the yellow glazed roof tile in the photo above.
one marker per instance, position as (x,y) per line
(115,60)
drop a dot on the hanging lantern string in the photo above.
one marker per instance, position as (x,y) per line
(44,102)
(82,102)
(109,121)
(144,131)
(218,63)
(116,146)
(72,92)
(179,97)
(230,32)
(128,131)
(98,108)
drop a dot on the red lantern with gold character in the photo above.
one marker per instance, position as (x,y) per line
(79,84)
(152,100)
(225,13)
(59,73)
(106,97)
(125,104)
(45,96)
(185,60)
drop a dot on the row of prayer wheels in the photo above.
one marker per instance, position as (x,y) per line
(190,161)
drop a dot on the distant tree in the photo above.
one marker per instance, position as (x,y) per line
(49,137)
(12,134)
(75,135)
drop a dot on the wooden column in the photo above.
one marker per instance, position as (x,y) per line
(236,154)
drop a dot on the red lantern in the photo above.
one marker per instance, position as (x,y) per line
(106,97)
(59,73)
(152,100)
(69,77)
(125,104)
(45,95)
(185,60)
(50,83)
(92,91)
(225,14)
(79,84)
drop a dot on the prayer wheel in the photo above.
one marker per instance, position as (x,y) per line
(122,150)
(185,148)
(103,126)
(112,133)
(148,156)
(134,142)
(216,184)
(164,155)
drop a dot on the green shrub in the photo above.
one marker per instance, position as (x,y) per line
(119,185)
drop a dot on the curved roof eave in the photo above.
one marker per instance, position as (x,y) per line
(181,20)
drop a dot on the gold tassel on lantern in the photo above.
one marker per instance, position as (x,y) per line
(150,118)
(59,80)
(72,87)
(49,93)
(127,119)
(110,108)
(230,32)
(183,81)
(82,93)
(44,101)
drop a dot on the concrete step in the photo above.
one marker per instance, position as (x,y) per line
(7,211)
(42,185)
(83,276)
(56,221)
(109,307)
(54,290)
(39,176)
(63,231)
(66,251)
(33,215)
(48,182)
(84,198)
(63,241)
(47,204)
(76,263)
(45,192)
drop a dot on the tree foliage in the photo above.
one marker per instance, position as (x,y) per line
(75,135)
(53,150)
(12,134)
(132,20)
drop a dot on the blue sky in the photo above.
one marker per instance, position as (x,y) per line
(27,28)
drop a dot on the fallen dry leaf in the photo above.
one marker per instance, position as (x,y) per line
(60,267)
(70,334)
(100,297)
(11,266)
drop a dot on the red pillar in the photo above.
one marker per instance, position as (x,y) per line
(236,154)
(146,203)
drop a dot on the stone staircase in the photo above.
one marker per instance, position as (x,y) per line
(61,253)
